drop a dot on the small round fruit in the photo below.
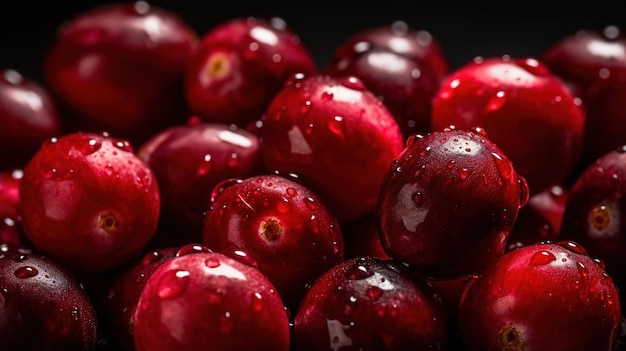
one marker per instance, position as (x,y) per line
(449,202)
(203,301)
(88,201)
(43,307)
(370,303)
(550,296)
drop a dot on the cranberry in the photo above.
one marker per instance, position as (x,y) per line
(527,111)
(403,85)
(240,65)
(336,136)
(520,299)
(43,307)
(361,238)
(449,202)
(10,221)
(121,299)
(595,212)
(120,68)
(583,56)
(28,116)
(88,201)
(191,162)
(282,225)
(370,303)
(207,301)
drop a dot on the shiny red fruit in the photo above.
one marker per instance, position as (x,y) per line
(541,297)
(526,110)
(120,68)
(88,201)
(28,117)
(11,232)
(202,301)
(336,136)
(240,65)
(43,306)
(448,203)
(284,226)
(370,303)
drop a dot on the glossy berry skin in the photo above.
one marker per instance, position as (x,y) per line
(405,87)
(370,303)
(595,209)
(203,301)
(449,202)
(28,117)
(122,296)
(192,161)
(43,306)
(120,68)
(528,112)
(360,238)
(415,44)
(282,225)
(549,296)
(586,55)
(88,201)
(239,66)
(10,220)
(336,136)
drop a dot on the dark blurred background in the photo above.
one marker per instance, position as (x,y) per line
(464,30)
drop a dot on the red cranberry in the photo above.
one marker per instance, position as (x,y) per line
(207,301)
(283,225)
(43,307)
(370,303)
(87,201)
(10,221)
(361,238)
(28,116)
(582,57)
(120,68)
(595,212)
(191,162)
(123,294)
(541,297)
(336,136)
(240,65)
(403,85)
(449,202)
(527,111)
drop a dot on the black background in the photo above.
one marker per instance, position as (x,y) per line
(464,30)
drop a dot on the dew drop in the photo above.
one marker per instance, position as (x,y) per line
(233,160)
(450,164)
(541,258)
(374,292)
(222,186)
(357,272)
(188,249)
(212,262)
(151,257)
(327,95)
(496,102)
(205,166)
(600,263)
(463,173)
(123,145)
(418,198)
(336,126)
(524,191)
(20,258)
(480,131)
(352,82)
(310,203)
(413,138)
(306,107)
(25,272)
(504,167)
(533,66)
(582,269)
(173,284)
(291,191)
(573,247)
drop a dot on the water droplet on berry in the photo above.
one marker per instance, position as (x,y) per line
(306,107)
(450,164)
(20,258)
(291,191)
(352,82)
(173,284)
(4,297)
(310,203)
(374,292)
(123,145)
(599,263)
(241,256)
(541,258)
(205,166)
(212,262)
(496,102)
(582,269)
(151,257)
(25,272)
(327,95)
(504,167)
(336,126)
(223,185)
(573,247)
(463,173)
(358,272)
(418,198)
(188,249)
(524,191)
(283,205)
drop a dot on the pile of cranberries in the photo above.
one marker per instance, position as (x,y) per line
(163,189)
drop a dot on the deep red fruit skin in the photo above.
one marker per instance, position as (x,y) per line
(405,87)
(120,68)
(370,303)
(583,56)
(28,116)
(11,232)
(120,301)
(43,306)
(283,225)
(416,44)
(88,201)
(541,297)
(192,161)
(595,211)
(336,136)
(205,301)
(360,238)
(448,203)
(240,65)
(528,112)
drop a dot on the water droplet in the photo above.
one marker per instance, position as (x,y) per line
(327,95)
(241,256)
(463,173)
(480,131)
(223,185)
(233,160)
(504,167)
(13,77)
(123,145)
(188,249)
(212,262)
(151,257)
(541,258)
(352,82)
(573,247)
(496,102)
(291,191)
(357,272)
(418,198)
(450,164)
(582,269)
(336,126)
(283,206)
(173,284)
(310,203)
(374,292)
(276,58)
(50,174)
(4,297)
(25,272)
(205,166)
(20,258)
(600,263)
(524,191)
(306,107)
(226,323)
(533,66)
